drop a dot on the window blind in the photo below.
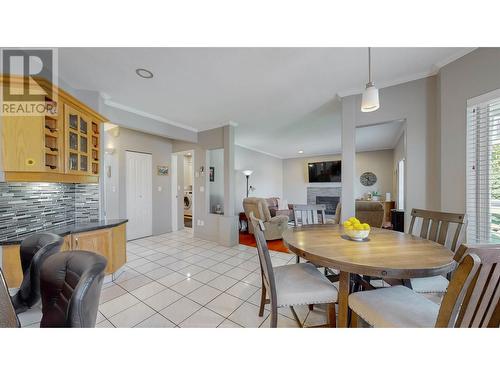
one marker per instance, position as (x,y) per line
(483,170)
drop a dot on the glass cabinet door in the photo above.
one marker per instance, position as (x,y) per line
(77,137)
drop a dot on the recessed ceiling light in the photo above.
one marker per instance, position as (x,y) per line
(301,152)
(144,73)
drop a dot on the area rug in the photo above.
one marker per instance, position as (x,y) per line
(249,240)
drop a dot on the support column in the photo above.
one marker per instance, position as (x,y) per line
(348,157)
(228,223)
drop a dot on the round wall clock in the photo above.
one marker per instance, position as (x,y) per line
(368,179)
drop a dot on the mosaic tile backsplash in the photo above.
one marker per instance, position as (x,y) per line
(30,207)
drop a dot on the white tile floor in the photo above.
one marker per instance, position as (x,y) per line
(175,280)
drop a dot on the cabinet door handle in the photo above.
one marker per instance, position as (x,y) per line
(76,243)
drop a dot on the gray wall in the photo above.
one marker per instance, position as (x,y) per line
(267,177)
(472,75)
(115,186)
(296,181)
(416,102)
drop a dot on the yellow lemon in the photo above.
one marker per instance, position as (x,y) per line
(366,226)
(347,223)
(358,226)
(352,219)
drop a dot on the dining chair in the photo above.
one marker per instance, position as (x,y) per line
(435,226)
(471,300)
(308,214)
(34,250)
(70,284)
(291,285)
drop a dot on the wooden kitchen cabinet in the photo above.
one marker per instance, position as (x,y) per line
(98,241)
(61,145)
(108,242)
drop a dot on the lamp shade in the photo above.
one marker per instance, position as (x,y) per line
(370,102)
(247,172)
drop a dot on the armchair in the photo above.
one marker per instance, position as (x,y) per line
(274,226)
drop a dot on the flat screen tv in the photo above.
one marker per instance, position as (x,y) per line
(325,171)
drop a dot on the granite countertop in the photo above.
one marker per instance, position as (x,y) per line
(65,230)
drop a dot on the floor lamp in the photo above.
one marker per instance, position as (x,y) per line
(247,174)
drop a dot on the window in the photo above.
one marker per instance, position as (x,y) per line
(401,184)
(483,168)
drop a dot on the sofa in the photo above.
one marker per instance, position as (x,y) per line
(273,204)
(370,212)
(274,226)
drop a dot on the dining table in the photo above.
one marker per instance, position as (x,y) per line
(8,317)
(385,254)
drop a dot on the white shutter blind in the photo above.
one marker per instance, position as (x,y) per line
(483,171)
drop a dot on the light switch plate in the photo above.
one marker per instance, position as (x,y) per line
(202,189)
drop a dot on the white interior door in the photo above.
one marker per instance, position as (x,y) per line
(139,195)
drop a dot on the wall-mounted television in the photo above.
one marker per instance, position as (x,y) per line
(325,171)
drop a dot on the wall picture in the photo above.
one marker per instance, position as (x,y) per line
(212,174)
(162,170)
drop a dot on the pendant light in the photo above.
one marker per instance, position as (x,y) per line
(369,102)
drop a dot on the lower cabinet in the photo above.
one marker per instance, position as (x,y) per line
(98,241)
(110,243)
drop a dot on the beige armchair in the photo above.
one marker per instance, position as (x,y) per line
(274,226)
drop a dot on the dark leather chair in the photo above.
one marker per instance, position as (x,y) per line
(34,250)
(71,285)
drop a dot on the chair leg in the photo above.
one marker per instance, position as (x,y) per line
(262,300)
(298,259)
(354,320)
(274,317)
(331,315)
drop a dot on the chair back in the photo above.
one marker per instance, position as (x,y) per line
(307,214)
(34,250)
(472,297)
(435,225)
(257,206)
(71,284)
(371,212)
(266,266)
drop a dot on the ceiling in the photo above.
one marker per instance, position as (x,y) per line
(283,99)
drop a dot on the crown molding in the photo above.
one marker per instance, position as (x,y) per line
(412,77)
(136,111)
(259,151)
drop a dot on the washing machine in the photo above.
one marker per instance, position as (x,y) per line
(188,203)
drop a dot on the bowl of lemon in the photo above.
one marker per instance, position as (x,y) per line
(356,230)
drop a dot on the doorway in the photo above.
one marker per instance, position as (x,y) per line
(182,189)
(139,194)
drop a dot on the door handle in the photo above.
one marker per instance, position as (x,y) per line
(76,243)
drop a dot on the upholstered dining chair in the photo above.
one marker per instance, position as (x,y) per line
(70,283)
(308,214)
(291,285)
(471,300)
(435,226)
(34,250)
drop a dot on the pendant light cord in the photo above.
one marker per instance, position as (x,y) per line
(369,64)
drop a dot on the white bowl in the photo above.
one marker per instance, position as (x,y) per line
(357,234)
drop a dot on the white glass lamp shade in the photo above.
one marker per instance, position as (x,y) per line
(247,172)
(370,102)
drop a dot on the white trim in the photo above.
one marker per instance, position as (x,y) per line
(412,77)
(148,115)
(260,151)
(395,82)
(455,56)
(484,98)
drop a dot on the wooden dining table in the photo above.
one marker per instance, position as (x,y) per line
(386,254)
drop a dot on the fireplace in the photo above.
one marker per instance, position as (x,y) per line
(329,202)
